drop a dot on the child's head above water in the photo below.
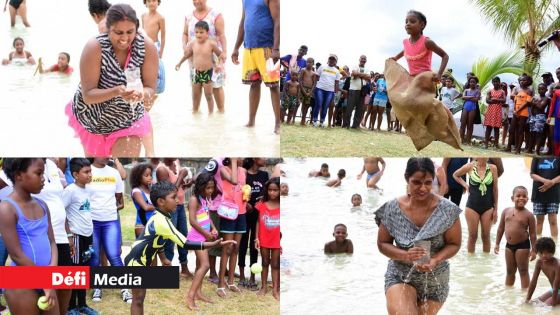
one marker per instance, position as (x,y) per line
(341,173)
(415,22)
(519,197)
(356,200)
(26,173)
(324,169)
(205,186)
(63,60)
(163,196)
(18,44)
(545,248)
(340,232)
(284,189)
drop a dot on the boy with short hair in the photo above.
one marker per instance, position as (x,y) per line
(549,265)
(291,98)
(284,189)
(153,23)
(338,180)
(78,213)
(159,228)
(307,82)
(202,50)
(520,227)
(323,172)
(340,245)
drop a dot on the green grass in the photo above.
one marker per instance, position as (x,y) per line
(298,141)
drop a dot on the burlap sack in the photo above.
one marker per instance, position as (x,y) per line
(423,116)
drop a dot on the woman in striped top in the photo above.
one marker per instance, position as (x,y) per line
(109,117)
(202,230)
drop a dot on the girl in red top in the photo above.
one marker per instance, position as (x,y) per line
(268,235)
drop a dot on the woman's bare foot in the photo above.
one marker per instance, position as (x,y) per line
(276,295)
(221,292)
(191,305)
(263,290)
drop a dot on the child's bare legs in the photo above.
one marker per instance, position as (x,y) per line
(265,256)
(380,111)
(63,297)
(505,128)
(331,109)
(522,259)
(511,267)
(372,182)
(275,267)
(203,265)
(520,133)
(196,96)
(292,114)
(304,108)
(209,96)
(220,98)
(24,301)
(233,262)
(470,125)
(366,116)
(148,143)
(137,306)
(226,254)
(275,97)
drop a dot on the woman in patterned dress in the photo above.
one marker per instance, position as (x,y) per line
(109,118)
(418,216)
(495,98)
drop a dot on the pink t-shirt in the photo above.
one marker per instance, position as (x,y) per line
(418,56)
(233,193)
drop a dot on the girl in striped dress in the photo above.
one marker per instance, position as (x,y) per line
(202,229)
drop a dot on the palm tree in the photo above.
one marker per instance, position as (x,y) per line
(523,23)
(488,68)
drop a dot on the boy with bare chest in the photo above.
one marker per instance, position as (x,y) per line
(307,82)
(520,226)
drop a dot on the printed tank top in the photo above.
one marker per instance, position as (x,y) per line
(114,114)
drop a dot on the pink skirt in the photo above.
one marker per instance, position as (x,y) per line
(100,145)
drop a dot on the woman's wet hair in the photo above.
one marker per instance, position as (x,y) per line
(419,15)
(98,7)
(13,166)
(16,39)
(545,245)
(424,165)
(121,12)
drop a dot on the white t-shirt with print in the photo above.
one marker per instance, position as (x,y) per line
(105,183)
(78,210)
(357,83)
(51,194)
(448,95)
(327,77)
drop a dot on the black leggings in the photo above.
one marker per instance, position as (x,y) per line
(81,245)
(252,218)
(455,195)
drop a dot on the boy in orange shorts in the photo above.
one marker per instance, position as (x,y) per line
(259,31)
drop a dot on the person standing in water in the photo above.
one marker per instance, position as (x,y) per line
(17,7)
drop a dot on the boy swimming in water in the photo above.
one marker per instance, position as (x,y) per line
(340,245)
(202,50)
(338,180)
(520,226)
(284,189)
(549,265)
(323,172)
(356,200)
(371,166)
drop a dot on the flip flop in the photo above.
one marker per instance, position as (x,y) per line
(223,290)
(252,286)
(243,283)
(235,288)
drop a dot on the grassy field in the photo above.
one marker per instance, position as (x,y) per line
(173,301)
(298,141)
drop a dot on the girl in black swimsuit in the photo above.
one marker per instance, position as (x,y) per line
(483,196)
(17,7)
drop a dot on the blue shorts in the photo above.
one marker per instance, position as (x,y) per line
(369,176)
(160,87)
(379,102)
(545,208)
(238,225)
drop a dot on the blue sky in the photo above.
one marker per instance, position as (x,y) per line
(376,28)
